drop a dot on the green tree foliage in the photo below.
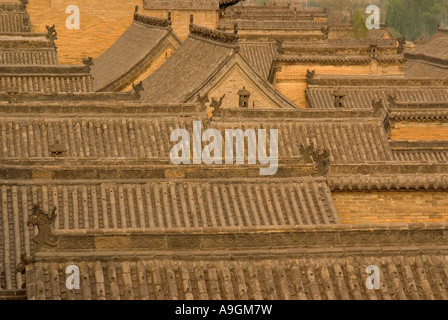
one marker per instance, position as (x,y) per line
(416,19)
(359,29)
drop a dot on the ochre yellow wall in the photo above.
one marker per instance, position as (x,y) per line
(391,206)
(419,131)
(101,23)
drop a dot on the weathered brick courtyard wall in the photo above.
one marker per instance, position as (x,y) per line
(101,23)
(391,206)
(414,131)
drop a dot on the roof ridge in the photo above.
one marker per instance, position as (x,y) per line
(153,21)
(214,34)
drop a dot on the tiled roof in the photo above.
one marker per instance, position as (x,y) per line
(186,71)
(402,277)
(27,49)
(259,56)
(181,4)
(93,137)
(360,91)
(157,205)
(347,141)
(45,79)
(416,69)
(136,49)
(435,50)
(13,18)
(420,151)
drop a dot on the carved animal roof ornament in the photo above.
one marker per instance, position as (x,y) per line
(137,89)
(44,239)
(310,74)
(153,21)
(319,157)
(378,107)
(325,32)
(214,106)
(52,35)
(212,34)
(88,62)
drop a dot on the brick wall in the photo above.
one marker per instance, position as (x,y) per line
(419,131)
(392,207)
(101,23)
(181,19)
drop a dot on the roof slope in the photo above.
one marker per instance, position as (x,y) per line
(259,56)
(91,137)
(158,205)
(402,277)
(185,71)
(142,38)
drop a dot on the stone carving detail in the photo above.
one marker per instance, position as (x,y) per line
(203,100)
(401,43)
(312,155)
(392,100)
(212,34)
(325,32)
(88,62)
(21,266)
(137,89)
(52,35)
(378,107)
(44,238)
(310,74)
(153,21)
(279,45)
(23,3)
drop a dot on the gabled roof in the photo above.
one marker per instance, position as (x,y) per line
(13,17)
(133,52)
(403,276)
(360,91)
(27,49)
(303,262)
(202,62)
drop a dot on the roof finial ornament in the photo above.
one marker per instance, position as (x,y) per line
(52,35)
(44,238)
(137,89)
(88,62)
(310,74)
(325,32)
(191,19)
(23,3)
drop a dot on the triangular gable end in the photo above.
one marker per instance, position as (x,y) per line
(237,75)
